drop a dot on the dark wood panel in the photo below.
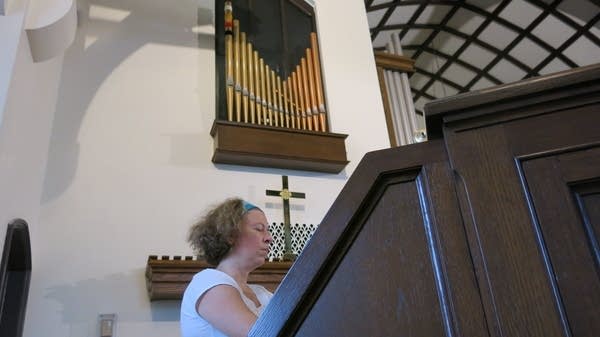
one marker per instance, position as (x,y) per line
(495,267)
(589,208)
(319,258)
(402,228)
(571,243)
(486,134)
(558,91)
(517,296)
(555,131)
(456,270)
(571,168)
(317,261)
(414,232)
(376,277)
(521,93)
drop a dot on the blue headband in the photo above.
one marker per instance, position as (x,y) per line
(248,206)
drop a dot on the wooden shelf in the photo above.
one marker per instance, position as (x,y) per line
(265,146)
(167,278)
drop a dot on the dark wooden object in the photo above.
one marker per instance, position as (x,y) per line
(491,228)
(15,276)
(167,278)
(254,145)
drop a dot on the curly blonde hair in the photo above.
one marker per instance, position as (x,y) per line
(216,232)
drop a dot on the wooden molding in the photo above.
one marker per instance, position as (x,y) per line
(386,107)
(167,278)
(265,146)
(394,62)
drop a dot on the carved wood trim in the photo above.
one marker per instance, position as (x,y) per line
(386,107)
(167,278)
(394,62)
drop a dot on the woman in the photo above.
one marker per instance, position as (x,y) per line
(234,236)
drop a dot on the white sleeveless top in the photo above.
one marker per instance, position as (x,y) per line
(191,323)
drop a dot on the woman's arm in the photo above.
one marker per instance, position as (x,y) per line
(223,307)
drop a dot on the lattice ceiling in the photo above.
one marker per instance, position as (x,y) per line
(461,46)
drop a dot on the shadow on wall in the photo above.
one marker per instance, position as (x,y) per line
(123,294)
(120,28)
(275,171)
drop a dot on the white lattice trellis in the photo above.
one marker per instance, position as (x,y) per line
(301,233)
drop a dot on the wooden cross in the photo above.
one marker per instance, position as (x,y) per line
(285,194)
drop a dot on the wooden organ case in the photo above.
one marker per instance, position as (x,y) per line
(490,228)
(271,108)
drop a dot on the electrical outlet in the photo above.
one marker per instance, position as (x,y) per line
(107,325)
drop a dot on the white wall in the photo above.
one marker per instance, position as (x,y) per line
(27,99)
(352,86)
(129,159)
(11,25)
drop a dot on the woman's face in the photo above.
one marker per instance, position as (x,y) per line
(254,239)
